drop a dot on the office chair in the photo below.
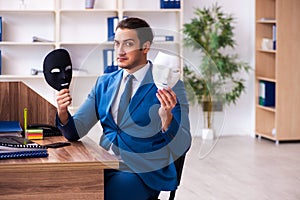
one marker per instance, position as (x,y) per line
(179,168)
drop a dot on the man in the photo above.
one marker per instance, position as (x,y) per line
(153,131)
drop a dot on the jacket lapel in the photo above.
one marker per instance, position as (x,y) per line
(112,89)
(146,85)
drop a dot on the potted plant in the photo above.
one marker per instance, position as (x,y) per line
(216,78)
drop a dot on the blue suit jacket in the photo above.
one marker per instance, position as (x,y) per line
(144,148)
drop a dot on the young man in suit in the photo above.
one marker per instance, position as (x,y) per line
(152,133)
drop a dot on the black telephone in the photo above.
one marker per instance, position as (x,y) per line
(48,130)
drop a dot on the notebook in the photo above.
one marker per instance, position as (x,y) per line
(19,147)
(12,128)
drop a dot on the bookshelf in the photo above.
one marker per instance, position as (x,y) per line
(279,66)
(83,32)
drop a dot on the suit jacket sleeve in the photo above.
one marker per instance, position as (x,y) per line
(82,121)
(179,129)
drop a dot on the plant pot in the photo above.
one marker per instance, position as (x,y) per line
(207,134)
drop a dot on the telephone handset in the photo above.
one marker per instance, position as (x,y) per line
(48,130)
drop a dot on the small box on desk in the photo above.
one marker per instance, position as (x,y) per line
(266,93)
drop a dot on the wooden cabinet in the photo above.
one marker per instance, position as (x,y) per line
(83,32)
(279,66)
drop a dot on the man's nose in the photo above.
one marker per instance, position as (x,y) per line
(120,49)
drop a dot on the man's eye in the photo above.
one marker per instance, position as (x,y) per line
(116,44)
(68,68)
(129,44)
(55,70)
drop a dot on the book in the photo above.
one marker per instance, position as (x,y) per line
(266,93)
(261,93)
(109,62)
(177,4)
(163,38)
(169,4)
(274,36)
(112,23)
(12,128)
(0,62)
(0,28)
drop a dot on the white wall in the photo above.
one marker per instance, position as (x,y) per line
(238,119)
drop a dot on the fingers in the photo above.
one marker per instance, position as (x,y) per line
(63,99)
(167,98)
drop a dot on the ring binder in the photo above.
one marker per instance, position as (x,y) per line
(7,152)
(19,147)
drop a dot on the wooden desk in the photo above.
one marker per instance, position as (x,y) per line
(71,172)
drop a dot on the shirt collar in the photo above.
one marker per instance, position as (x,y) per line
(139,74)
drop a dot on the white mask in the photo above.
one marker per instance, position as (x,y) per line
(166,70)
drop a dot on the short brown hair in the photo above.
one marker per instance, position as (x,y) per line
(144,31)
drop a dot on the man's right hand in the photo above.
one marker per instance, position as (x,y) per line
(63,99)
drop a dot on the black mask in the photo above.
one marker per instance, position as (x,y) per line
(58,69)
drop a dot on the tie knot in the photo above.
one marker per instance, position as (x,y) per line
(129,77)
(128,81)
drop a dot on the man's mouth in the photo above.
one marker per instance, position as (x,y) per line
(120,59)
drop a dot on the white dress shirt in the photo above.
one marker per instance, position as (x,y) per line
(136,81)
(138,77)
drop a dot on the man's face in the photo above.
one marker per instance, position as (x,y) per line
(58,69)
(127,48)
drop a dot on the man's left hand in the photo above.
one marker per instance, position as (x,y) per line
(167,98)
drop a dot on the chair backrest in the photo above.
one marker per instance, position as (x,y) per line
(179,168)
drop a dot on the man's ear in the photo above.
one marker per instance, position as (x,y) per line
(146,47)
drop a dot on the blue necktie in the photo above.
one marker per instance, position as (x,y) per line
(125,98)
